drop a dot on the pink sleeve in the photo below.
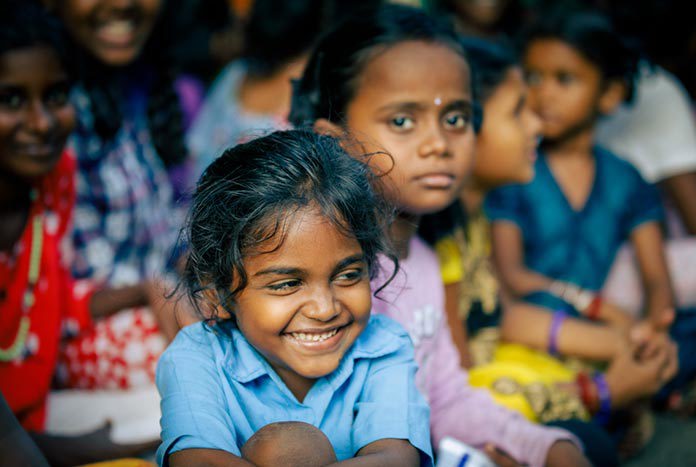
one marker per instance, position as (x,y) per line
(472,416)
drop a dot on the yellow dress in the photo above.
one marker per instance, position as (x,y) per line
(522,379)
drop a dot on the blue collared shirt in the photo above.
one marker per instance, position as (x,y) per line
(217,391)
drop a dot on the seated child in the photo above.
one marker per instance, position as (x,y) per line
(40,304)
(399,82)
(555,238)
(284,234)
(252,95)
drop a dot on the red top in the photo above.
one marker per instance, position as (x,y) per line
(61,306)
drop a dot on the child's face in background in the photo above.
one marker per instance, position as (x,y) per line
(414,101)
(113,31)
(506,144)
(307,301)
(35,114)
(565,89)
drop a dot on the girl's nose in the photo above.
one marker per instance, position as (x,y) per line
(434,144)
(39,119)
(323,306)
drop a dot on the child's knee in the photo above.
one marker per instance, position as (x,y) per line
(289,443)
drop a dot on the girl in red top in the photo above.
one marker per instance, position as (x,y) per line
(39,302)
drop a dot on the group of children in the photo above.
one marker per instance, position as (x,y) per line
(440,219)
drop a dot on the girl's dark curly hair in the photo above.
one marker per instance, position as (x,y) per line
(332,74)
(25,23)
(247,195)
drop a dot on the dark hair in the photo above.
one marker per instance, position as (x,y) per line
(246,196)
(158,70)
(330,78)
(593,35)
(25,23)
(490,63)
(279,31)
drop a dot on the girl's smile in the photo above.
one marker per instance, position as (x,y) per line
(307,298)
(114,32)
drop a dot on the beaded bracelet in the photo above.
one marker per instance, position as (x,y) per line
(556,323)
(604,413)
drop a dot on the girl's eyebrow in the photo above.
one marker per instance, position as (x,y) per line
(279,271)
(290,271)
(357,258)
(415,106)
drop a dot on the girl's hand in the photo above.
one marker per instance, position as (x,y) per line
(615,316)
(630,379)
(650,334)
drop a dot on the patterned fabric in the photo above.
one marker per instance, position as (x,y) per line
(126,224)
(61,306)
(465,258)
(126,219)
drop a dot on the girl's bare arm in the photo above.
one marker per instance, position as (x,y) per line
(652,263)
(508,256)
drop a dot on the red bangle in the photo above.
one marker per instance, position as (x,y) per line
(585,385)
(592,311)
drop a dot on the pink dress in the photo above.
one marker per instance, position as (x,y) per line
(416,299)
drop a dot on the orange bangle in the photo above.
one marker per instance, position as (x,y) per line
(592,312)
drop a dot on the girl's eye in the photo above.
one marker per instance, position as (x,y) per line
(284,286)
(457,120)
(58,96)
(351,276)
(402,123)
(532,78)
(565,78)
(11,100)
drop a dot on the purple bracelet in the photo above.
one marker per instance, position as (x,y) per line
(604,413)
(556,322)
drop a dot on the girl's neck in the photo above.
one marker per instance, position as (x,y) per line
(473,194)
(13,192)
(578,145)
(401,231)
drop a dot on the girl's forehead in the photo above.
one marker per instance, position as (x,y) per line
(415,71)
(23,63)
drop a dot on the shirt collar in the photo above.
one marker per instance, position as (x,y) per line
(379,338)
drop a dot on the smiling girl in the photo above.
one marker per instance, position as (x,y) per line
(284,234)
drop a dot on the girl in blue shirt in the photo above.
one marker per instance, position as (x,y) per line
(284,233)
(554,239)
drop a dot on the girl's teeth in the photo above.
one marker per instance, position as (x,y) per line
(301,336)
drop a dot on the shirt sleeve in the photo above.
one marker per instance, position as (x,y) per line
(390,406)
(505,204)
(194,414)
(644,204)
(472,416)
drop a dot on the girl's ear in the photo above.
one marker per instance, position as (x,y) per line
(613,95)
(325,127)
(211,306)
